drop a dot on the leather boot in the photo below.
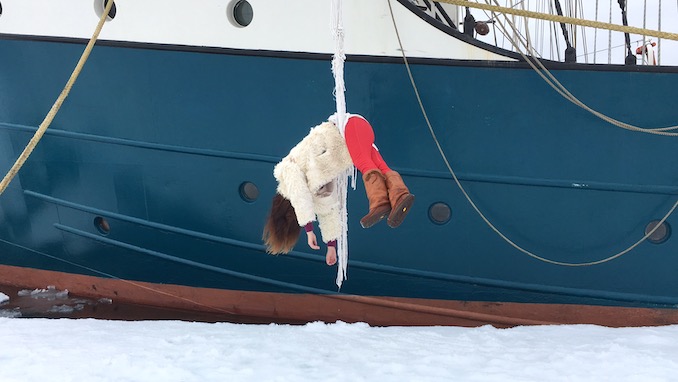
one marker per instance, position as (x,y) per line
(375,187)
(400,198)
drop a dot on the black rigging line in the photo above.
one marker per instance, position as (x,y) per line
(630,57)
(570,52)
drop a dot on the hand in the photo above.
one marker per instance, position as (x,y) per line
(331,256)
(312,241)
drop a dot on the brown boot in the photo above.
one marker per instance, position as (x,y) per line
(375,187)
(400,198)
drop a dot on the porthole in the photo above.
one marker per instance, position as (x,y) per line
(249,191)
(0,9)
(439,213)
(242,13)
(661,234)
(113,11)
(102,225)
(100,6)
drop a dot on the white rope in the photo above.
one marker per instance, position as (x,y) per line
(645,57)
(609,37)
(339,90)
(595,37)
(659,40)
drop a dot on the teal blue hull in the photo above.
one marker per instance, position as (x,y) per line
(159,142)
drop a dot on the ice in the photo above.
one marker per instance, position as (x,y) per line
(66,308)
(10,313)
(51,293)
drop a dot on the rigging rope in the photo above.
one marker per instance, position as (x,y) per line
(475,207)
(562,24)
(57,104)
(630,58)
(595,37)
(644,18)
(550,79)
(565,19)
(560,89)
(659,39)
(609,37)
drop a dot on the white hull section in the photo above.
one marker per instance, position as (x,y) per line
(294,26)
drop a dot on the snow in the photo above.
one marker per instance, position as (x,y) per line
(103,350)
(3,298)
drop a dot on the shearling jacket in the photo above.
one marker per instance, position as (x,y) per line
(306,178)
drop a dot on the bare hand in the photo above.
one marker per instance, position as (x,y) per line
(331,256)
(312,241)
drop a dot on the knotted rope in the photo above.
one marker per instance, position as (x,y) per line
(339,90)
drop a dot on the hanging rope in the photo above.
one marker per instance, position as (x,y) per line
(475,207)
(339,90)
(57,104)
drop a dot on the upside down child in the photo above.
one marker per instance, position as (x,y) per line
(306,187)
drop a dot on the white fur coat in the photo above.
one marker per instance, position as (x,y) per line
(315,162)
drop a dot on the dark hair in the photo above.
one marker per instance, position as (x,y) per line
(281,231)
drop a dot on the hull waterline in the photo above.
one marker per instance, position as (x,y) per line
(301,308)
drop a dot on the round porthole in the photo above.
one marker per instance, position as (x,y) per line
(113,11)
(102,225)
(242,13)
(0,9)
(100,6)
(660,235)
(249,191)
(439,213)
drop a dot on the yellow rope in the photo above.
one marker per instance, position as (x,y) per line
(563,19)
(57,104)
(43,127)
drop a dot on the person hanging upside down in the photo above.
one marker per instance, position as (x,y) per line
(307,187)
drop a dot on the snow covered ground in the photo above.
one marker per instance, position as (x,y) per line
(67,349)
(103,350)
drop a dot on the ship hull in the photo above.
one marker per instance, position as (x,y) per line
(166,142)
